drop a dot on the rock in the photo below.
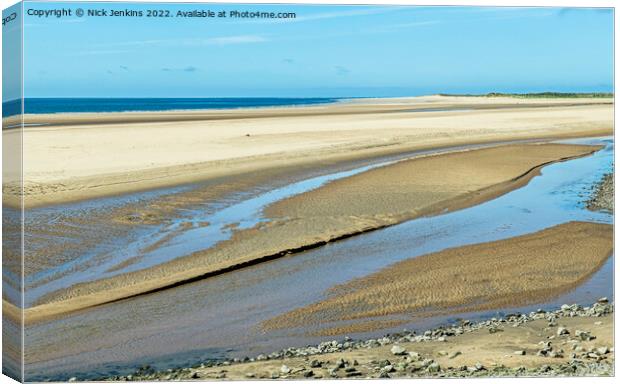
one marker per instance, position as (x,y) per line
(520,353)
(315,364)
(388,368)
(308,373)
(250,375)
(341,363)
(195,375)
(598,323)
(603,300)
(584,335)
(427,362)
(479,367)
(398,350)
(275,375)
(433,367)
(71,380)
(442,353)
(414,355)
(602,350)
(454,354)
(285,370)
(562,331)
(384,363)
(441,339)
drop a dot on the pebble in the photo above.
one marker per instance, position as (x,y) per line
(602,350)
(285,369)
(398,350)
(520,353)
(594,365)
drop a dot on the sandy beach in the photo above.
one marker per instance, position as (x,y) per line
(400,159)
(512,272)
(571,341)
(82,156)
(462,185)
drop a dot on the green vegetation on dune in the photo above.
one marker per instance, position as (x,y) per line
(544,95)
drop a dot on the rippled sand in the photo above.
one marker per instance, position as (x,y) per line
(498,274)
(453,181)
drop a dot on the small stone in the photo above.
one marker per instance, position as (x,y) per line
(195,375)
(433,367)
(285,369)
(603,300)
(598,323)
(72,379)
(414,355)
(562,331)
(520,353)
(454,354)
(388,368)
(308,373)
(602,350)
(584,335)
(250,375)
(442,353)
(398,350)
(315,364)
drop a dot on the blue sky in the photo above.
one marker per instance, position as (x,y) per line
(325,51)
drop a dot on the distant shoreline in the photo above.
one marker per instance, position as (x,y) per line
(162,149)
(78,105)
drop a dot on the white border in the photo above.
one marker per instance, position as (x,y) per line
(525,3)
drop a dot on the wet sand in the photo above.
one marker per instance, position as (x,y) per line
(504,273)
(82,156)
(284,235)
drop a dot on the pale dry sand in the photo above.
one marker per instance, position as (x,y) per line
(82,156)
(506,273)
(504,169)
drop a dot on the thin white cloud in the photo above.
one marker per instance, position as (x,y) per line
(242,39)
(95,52)
(218,40)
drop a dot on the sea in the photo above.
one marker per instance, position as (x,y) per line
(77,105)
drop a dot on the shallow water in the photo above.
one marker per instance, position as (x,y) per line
(219,316)
(184,236)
